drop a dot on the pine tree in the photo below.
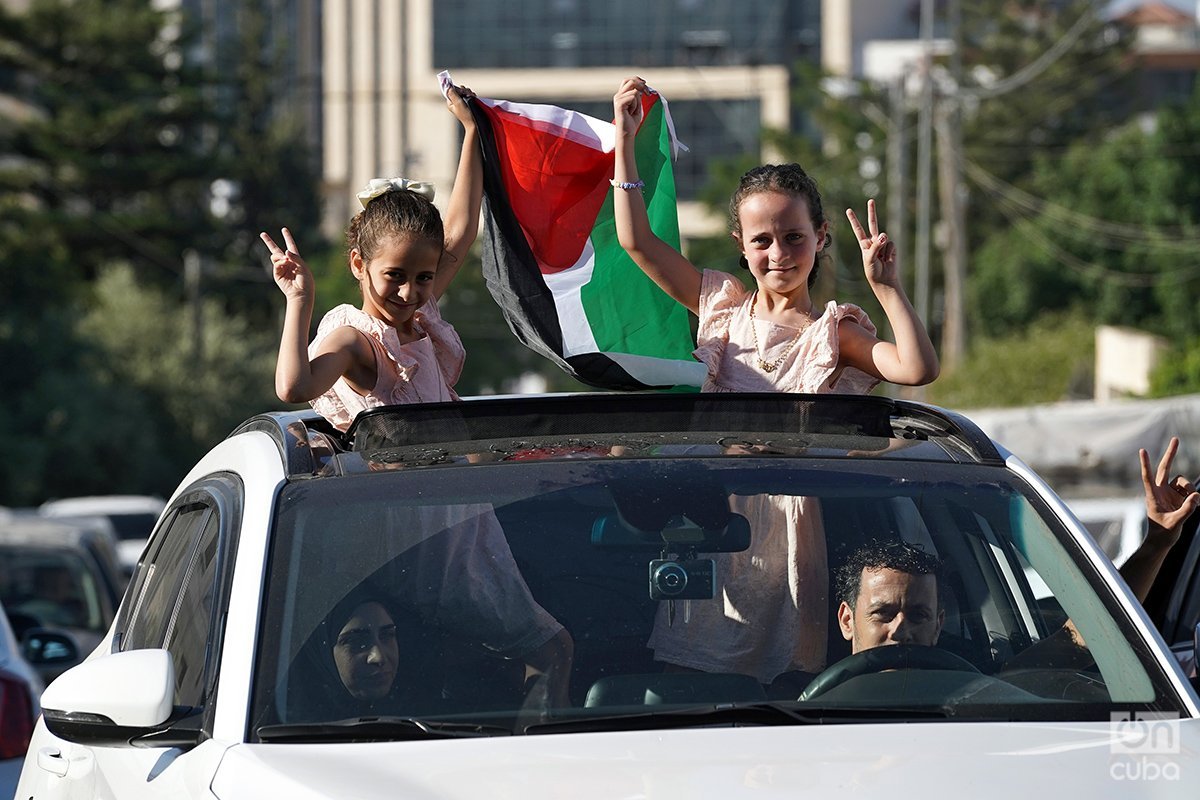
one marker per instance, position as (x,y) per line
(108,162)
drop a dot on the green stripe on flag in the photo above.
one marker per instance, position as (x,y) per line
(626,311)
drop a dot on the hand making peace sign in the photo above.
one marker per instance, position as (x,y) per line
(878,251)
(1169,501)
(292,275)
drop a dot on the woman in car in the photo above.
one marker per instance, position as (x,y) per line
(364,659)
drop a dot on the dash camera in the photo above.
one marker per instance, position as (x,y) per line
(683,580)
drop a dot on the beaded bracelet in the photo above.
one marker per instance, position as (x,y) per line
(627,186)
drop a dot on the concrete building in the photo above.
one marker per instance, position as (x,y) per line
(725,69)
(1167,52)
(293,37)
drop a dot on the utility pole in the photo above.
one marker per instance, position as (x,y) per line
(897,149)
(924,148)
(405,144)
(951,191)
(192,269)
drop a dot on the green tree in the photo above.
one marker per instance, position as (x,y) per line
(107,160)
(115,401)
(111,155)
(1038,77)
(1050,360)
(269,171)
(1108,226)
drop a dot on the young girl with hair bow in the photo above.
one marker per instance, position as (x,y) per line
(396,348)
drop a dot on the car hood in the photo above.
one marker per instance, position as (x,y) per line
(980,759)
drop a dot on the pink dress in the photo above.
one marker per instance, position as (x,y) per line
(772,609)
(423,371)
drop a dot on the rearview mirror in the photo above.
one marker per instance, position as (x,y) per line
(680,534)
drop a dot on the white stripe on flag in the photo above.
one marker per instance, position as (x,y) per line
(654,371)
(572,125)
(565,285)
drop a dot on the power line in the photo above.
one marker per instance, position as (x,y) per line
(1038,65)
(1088,269)
(1120,233)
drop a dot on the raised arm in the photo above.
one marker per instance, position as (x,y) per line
(1169,502)
(664,265)
(297,380)
(462,213)
(911,360)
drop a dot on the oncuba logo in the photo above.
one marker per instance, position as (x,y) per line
(1142,744)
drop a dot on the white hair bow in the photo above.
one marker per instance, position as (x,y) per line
(378,186)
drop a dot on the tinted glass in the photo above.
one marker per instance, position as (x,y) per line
(159,580)
(576,33)
(187,635)
(682,583)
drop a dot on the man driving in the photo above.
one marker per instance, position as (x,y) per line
(889,595)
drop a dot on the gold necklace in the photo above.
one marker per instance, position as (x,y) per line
(763,364)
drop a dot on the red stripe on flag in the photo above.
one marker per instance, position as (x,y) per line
(556,185)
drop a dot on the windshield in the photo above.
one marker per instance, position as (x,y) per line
(520,596)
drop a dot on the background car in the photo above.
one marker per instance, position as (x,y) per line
(131,517)
(20,690)
(59,575)
(321,615)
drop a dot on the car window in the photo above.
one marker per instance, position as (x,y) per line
(171,603)
(458,566)
(187,636)
(58,587)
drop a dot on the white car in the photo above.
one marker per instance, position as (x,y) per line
(326,616)
(132,517)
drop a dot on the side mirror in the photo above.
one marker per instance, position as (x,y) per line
(119,700)
(47,648)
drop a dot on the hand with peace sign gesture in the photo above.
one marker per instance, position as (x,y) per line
(1169,502)
(878,251)
(292,275)
(911,360)
(297,378)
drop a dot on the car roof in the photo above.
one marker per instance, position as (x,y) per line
(103,504)
(658,424)
(40,531)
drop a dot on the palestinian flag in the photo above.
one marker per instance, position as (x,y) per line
(551,257)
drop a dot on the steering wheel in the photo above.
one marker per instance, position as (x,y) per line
(878,659)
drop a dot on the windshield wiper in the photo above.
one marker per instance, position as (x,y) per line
(377,729)
(733,714)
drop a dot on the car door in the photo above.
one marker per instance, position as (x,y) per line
(177,601)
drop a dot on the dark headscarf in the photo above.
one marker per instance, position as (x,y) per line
(315,688)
